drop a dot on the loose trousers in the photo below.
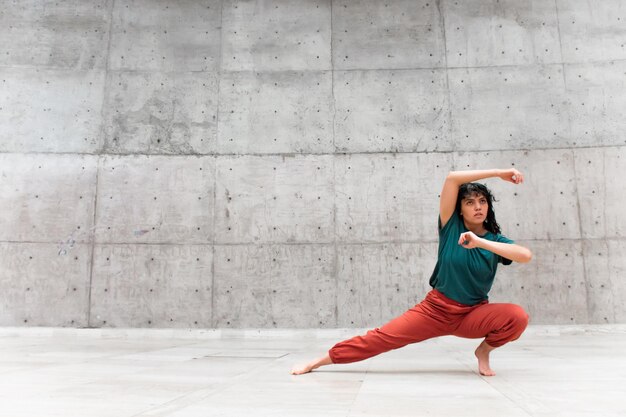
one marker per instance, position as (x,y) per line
(436,316)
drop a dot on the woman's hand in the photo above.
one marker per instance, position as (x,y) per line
(510,251)
(469,240)
(511,175)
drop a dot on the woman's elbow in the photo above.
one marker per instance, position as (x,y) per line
(526,256)
(453,178)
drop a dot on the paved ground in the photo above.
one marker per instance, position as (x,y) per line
(551,371)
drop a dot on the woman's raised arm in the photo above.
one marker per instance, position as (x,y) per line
(450,191)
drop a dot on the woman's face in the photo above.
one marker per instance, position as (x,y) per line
(474,208)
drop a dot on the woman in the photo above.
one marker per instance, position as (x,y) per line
(470,248)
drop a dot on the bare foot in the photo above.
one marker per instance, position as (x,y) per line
(299,370)
(482,353)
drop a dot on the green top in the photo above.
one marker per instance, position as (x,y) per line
(465,275)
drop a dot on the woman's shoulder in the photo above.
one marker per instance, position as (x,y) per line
(453,223)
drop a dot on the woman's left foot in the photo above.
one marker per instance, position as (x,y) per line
(482,353)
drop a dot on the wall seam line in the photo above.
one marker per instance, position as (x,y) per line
(101,146)
(582,240)
(442,20)
(355,153)
(215,162)
(334,172)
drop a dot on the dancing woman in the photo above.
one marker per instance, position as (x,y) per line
(470,248)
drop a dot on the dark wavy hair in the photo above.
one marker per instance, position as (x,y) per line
(470,188)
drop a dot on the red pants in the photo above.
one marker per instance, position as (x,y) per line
(436,316)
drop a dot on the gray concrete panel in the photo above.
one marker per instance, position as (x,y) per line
(155,199)
(163,113)
(391,197)
(597,96)
(370,34)
(617,271)
(276,35)
(70,34)
(152,286)
(166,36)
(545,206)
(274,286)
(241,286)
(599,173)
(391,111)
(501,32)
(274,199)
(603,283)
(379,282)
(552,288)
(41,286)
(592,30)
(46,110)
(47,198)
(303,286)
(275,112)
(509,108)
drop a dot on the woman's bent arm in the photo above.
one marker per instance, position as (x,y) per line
(450,191)
(516,253)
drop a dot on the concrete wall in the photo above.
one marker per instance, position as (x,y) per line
(277,163)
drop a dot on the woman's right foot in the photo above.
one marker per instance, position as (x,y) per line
(299,370)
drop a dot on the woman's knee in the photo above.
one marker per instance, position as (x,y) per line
(519,316)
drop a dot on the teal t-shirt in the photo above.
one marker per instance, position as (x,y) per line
(465,275)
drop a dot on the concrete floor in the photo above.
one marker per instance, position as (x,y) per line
(551,371)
